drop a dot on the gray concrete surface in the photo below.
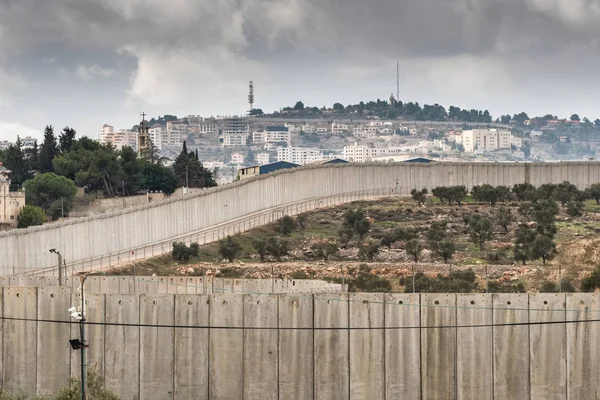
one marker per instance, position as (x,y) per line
(116,238)
(363,346)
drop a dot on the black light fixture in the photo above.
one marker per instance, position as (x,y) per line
(76,344)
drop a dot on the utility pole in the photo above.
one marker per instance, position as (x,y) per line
(83,277)
(187,184)
(60,266)
(62,207)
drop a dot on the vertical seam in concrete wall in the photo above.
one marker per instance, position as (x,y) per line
(420,346)
(455,345)
(529,344)
(36,291)
(243,344)
(491,299)
(2,362)
(139,358)
(104,309)
(278,298)
(174,346)
(314,363)
(208,304)
(384,349)
(566,349)
(348,334)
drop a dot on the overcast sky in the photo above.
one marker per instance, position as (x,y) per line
(84,63)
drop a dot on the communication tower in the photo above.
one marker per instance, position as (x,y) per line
(251,97)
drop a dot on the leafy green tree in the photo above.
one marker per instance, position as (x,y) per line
(159,179)
(325,250)
(457,282)
(575,208)
(436,234)
(419,196)
(181,252)
(526,210)
(278,248)
(565,192)
(357,221)
(366,281)
(260,245)
(338,107)
(286,225)
(445,249)
(575,117)
(189,170)
(133,171)
(30,216)
(456,194)
(48,151)
(544,214)
(480,230)
(546,191)
(53,193)
(595,192)
(229,248)
(523,243)
(566,286)
(414,247)
(524,192)
(19,166)
(486,194)
(301,221)
(504,218)
(543,247)
(368,250)
(388,239)
(66,139)
(299,106)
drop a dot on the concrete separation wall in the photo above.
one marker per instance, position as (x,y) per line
(122,235)
(177,284)
(294,346)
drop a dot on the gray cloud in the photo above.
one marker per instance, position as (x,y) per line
(197,55)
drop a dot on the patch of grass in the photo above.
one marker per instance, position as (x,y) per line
(591,206)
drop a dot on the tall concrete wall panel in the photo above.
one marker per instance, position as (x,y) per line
(296,367)
(367,349)
(402,346)
(122,354)
(117,232)
(94,312)
(226,361)
(191,347)
(438,346)
(474,359)
(331,345)
(19,348)
(511,346)
(53,362)
(261,347)
(583,346)
(157,357)
(547,347)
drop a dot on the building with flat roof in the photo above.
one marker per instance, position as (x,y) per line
(11,203)
(299,155)
(482,140)
(256,170)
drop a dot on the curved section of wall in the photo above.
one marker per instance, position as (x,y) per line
(85,238)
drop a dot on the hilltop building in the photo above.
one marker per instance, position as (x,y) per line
(249,172)
(483,140)
(235,131)
(117,138)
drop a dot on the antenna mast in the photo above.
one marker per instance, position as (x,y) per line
(251,97)
(397,81)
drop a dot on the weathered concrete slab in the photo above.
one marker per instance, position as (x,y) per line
(94,311)
(367,356)
(53,348)
(226,347)
(191,347)
(583,346)
(20,340)
(511,346)
(260,347)
(122,358)
(331,347)
(296,366)
(157,346)
(438,346)
(474,347)
(548,354)
(402,346)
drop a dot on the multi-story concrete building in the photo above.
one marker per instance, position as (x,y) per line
(156,136)
(11,203)
(175,134)
(237,158)
(364,131)
(361,154)
(263,158)
(208,127)
(118,138)
(308,128)
(272,134)
(235,131)
(4,144)
(299,155)
(28,142)
(483,140)
(338,129)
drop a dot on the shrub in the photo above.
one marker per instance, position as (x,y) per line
(325,250)
(260,245)
(181,252)
(365,281)
(30,216)
(277,247)
(506,287)
(592,282)
(575,208)
(229,249)
(286,225)
(552,287)
(368,250)
(301,221)
(456,282)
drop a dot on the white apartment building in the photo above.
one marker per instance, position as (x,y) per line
(4,144)
(237,158)
(365,131)
(156,136)
(361,154)
(483,140)
(387,131)
(338,129)
(212,165)
(235,131)
(308,128)
(272,134)
(28,142)
(299,155)
(118,138)
(263,158)
(207,127)
(322,130)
